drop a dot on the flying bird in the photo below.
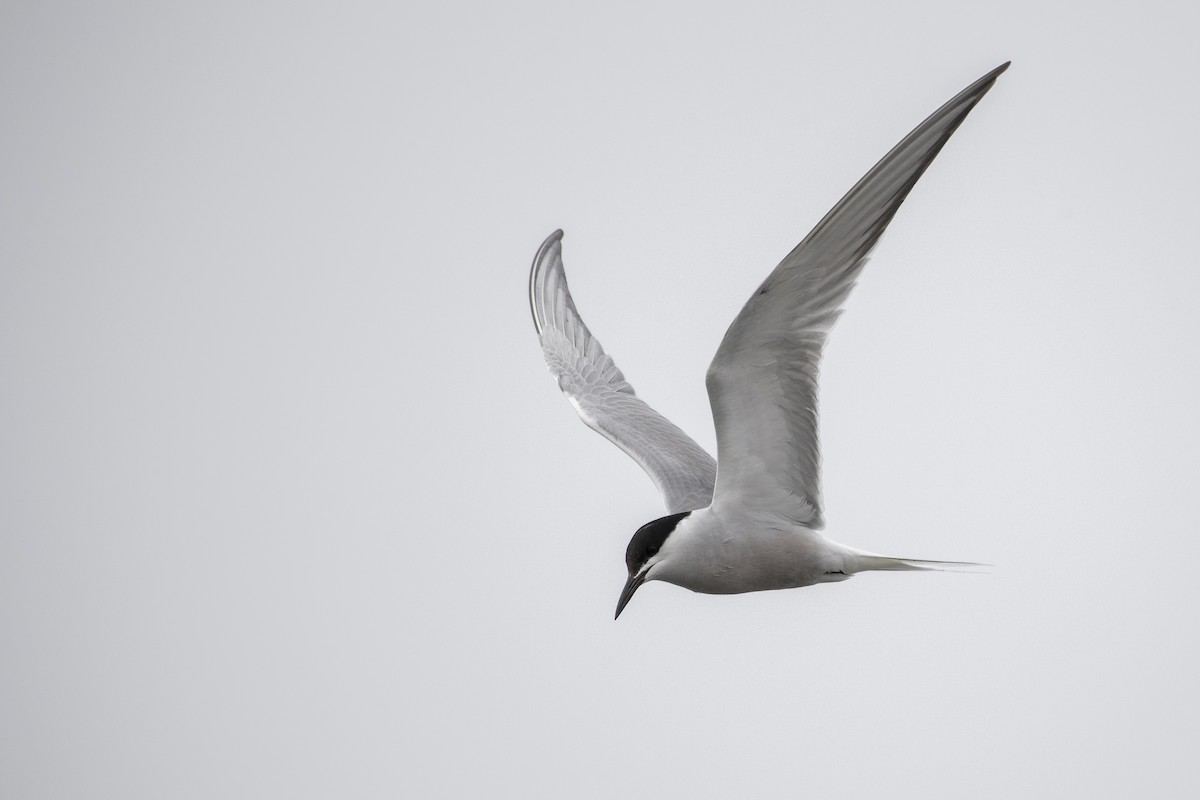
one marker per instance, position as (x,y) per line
(750,520)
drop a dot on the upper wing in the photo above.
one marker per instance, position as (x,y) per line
(762,383)
(683,472)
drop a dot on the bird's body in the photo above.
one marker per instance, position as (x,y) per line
(751,520)
(736,549)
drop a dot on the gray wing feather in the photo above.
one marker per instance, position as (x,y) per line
(762,383)
(683,472)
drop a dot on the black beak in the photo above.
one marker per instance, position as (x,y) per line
(631,586)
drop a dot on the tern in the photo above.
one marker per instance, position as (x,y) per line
(750,520)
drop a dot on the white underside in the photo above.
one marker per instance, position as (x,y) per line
(736,550)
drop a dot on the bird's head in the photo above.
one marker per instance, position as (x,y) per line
(645,551)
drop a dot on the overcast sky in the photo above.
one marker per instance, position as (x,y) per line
(289,506)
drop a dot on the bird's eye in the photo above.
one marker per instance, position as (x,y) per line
(651,550)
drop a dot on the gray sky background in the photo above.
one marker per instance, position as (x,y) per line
(289,506)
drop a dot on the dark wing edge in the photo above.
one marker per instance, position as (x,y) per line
(872,202)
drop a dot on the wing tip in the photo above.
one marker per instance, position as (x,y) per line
(535,270)
(984,84)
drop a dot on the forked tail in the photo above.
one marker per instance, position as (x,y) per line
(864,562)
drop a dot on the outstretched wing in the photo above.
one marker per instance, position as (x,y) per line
(683,472)
(762,383)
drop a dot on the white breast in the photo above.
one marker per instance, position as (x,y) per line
(729,553)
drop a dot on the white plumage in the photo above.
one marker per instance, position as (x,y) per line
(755,511)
